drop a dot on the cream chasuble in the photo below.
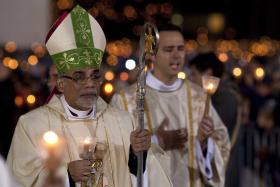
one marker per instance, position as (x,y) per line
(112,126)
(183,107)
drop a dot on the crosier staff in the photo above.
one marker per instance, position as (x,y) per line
(148,46)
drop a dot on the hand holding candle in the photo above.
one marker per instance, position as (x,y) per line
(52,145)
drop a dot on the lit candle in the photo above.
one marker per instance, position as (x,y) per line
(50,138)
(51,142)
(210,85)
(87,144)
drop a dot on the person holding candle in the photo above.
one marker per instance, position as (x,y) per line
(226,100)
(76,43)
(198,146)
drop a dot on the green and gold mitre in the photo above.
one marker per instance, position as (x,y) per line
(76,41)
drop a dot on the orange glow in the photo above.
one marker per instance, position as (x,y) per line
(112,60)
(10,46)
(13,64)
(18,101)
(223,57)
(190,46)
(38,49)
(108,88)
(64,4)
(124,76)
(237,72)
(216,22)
(109,75)
(130,12)
(6,61)
(32,60)
(259,73)
(31,99)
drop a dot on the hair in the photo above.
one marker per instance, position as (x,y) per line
(169,27)
(207,61)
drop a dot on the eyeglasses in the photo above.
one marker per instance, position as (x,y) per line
(82,79)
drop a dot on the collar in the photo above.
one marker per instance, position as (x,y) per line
(74,114)
(154,83)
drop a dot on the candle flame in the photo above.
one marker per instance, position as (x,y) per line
(50,138)
(210,86)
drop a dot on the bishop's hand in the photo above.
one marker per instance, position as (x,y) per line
(80,170)
(140,140)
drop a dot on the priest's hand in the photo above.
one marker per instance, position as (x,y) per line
(205,130)
(79,170)
(171,139)
(140,140)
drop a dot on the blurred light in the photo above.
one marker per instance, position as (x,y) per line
(64,4)
(130,64)
(260,48)
(31,99)
(112,49)
(32,60)
(216,22)
(259,73)
(237,72)
(108,88)
(190,46)
(124,76)
(6,61)
(38,49)
(112,60)
(130,12)
(10,47)
(50,138)
(146,68)
(13,64)
(182,75)
(177,19)
(223,57)
(109,75)
(18,101)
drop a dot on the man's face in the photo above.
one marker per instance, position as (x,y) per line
(196,76)
(170,55)
(82,92)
